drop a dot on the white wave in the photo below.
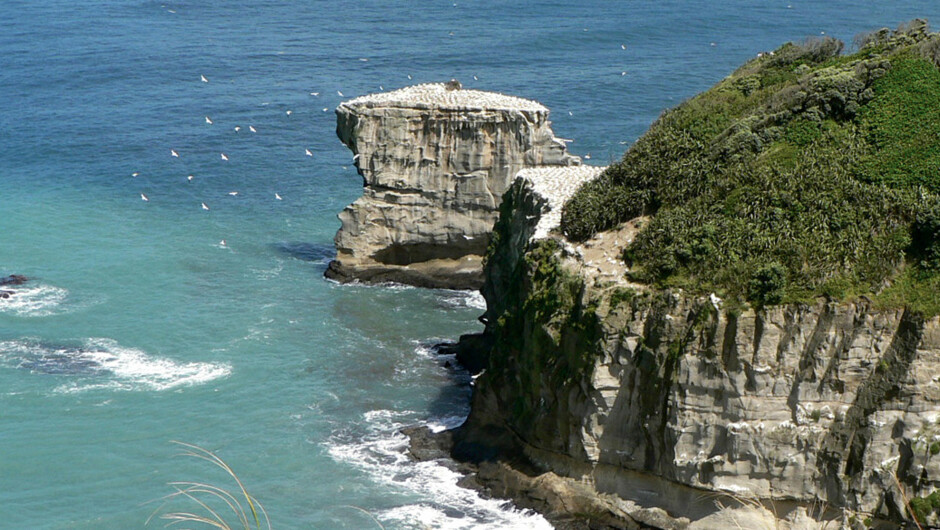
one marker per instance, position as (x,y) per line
(463,299)
(381,453)
(33,300)
(105,364)
(447,422)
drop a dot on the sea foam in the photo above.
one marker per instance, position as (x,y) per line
(381,452)
(34,300)
(100,363)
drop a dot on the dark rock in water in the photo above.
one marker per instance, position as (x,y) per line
(14,279)
(55,359)
(426,445)
(61,364)
(307,251)
(473,351)
(6,294)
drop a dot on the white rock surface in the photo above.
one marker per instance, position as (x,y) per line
(435,164)
(556,185)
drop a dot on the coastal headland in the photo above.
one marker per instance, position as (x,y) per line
(733,327)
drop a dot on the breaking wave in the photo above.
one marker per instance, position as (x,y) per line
(104,364)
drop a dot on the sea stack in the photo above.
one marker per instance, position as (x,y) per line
(435,160)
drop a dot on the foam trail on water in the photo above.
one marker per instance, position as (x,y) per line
(33,300)
(381,452)
(104,364)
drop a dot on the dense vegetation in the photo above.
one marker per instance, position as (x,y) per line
(804,173)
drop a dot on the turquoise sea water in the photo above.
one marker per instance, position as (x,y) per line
(141,327)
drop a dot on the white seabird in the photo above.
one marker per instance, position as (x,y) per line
(340,94)
(204,207)
(144,197)
(189,178)
(134,174)
(307,152)
(289,112)
(208,120)
(233,193)
(314,93)
(237,128)
(204,80)
(278,197)
(174,153)
(252,129)
(224,157)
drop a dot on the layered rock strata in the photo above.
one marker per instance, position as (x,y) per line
(435,160)
(678,412)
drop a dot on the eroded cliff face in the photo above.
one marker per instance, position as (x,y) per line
(435,163)
(790,416)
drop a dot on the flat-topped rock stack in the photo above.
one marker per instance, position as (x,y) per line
(436,160)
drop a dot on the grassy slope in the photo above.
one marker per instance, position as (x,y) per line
(804,173)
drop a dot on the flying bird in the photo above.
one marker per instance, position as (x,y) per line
(307,152)
(204,207)
(134,174)
(409,76)
(233,193)
(356,156)
(278,197)
(623,46)
(222,243)
(289,112)
(189,178)
(252,129)
(475,78)
(204,80)
(174,153)
(144,197)
(237,128)
(340,94)
(224,157)
(325,109)
(314,93)
(208,120)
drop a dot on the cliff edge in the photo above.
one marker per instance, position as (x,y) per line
(735,326)
(436,160)
(629,407)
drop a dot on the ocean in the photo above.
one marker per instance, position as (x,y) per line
(159,320)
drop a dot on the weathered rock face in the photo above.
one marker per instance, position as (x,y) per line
(796,414)
(435,163)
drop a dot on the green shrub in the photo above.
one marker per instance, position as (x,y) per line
(820,166)
(925,236)
(924,507)
(768,284)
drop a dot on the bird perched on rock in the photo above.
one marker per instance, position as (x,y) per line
(453,84)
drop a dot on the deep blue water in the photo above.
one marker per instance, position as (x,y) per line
(141,327)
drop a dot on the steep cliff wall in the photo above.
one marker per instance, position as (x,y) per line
(786,416)
(435,162)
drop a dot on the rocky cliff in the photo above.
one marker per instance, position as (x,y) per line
(435,161)
(675,411)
